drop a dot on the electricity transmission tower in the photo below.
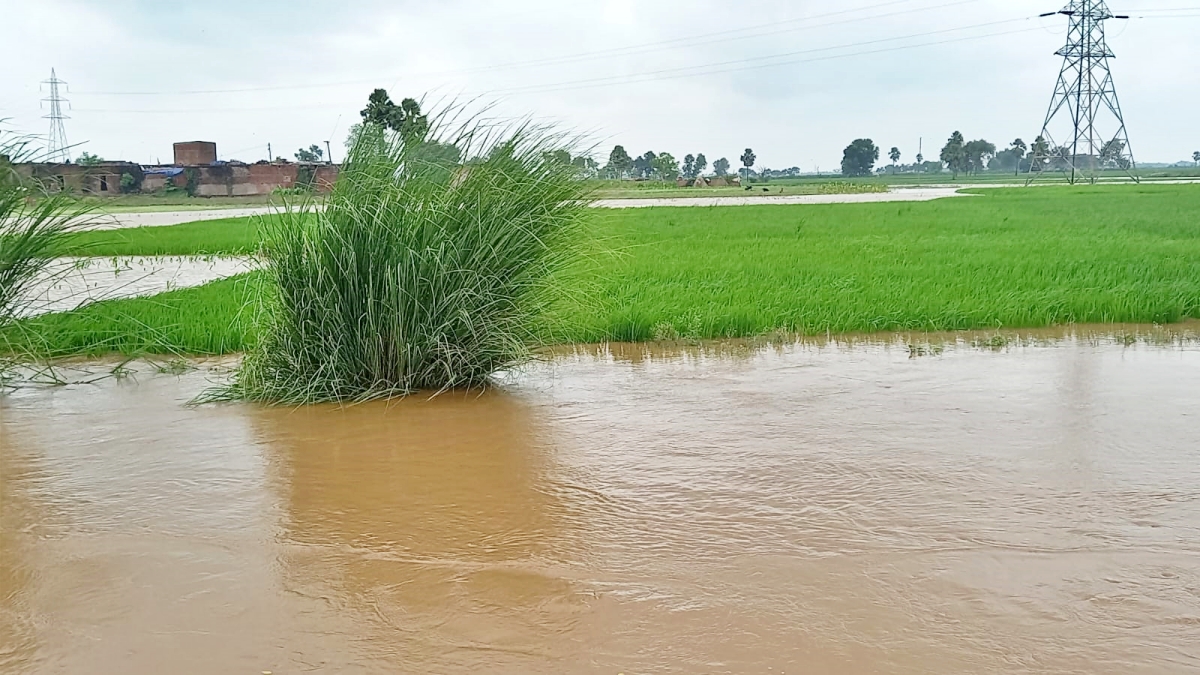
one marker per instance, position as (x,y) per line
(1085,114)
(57,149)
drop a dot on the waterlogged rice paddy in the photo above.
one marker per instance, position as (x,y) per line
(1003,258)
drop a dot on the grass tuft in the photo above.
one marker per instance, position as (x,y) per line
(33,224)
(417,274)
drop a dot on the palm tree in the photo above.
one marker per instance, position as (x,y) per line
(1196,157)
(894,154)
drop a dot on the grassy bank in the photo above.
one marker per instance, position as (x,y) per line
(1007,258)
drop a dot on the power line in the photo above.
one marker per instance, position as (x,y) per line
(692,69)
(706,38)
(736,65)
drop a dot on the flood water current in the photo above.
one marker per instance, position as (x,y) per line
(864,507)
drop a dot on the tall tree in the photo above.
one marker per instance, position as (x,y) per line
(1196,157)
(700,165)
(978,153)
(1018,150)
(619,162)
(88,159)
(689,166)
(586,166)
(312,154)
(1039,152)
(894,155)
(1112,155)
(405,118)
(721,167)
(954,154)
(559,157)
(665,166)
(748,160)
(858,159)
(643,166)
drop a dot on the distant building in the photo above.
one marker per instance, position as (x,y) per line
(195,153)
(102,179)
(196,171)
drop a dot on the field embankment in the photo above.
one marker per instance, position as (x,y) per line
(1009,258)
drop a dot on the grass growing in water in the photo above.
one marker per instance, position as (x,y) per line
(416,275)
(1017,258)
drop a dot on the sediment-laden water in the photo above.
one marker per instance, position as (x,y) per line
(1033,507)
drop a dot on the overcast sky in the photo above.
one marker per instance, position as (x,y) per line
(796,80)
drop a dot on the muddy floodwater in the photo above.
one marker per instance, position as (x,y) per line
(875,507)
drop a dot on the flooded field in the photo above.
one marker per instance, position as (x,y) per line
(1028,506)
(70,283)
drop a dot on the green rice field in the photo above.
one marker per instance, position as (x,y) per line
(1008,258)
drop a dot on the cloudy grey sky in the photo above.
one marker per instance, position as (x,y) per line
(795,79)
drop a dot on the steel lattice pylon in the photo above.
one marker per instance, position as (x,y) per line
(1084,111)
(57,149)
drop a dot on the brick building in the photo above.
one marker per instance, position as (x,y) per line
(196,170)
(195,153)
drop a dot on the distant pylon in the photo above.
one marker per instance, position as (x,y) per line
(1084,111)
(57,149)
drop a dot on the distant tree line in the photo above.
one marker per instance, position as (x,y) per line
(958,156)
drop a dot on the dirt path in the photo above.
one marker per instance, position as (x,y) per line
(112,221)
(897,195)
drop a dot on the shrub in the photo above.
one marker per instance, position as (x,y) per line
(418,274)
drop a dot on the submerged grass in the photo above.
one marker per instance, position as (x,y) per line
(1019,258)
(415,275)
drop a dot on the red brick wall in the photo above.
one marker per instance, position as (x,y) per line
(195,153)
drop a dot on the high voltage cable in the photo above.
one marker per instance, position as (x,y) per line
(587,56)
(677,73)
(774,56)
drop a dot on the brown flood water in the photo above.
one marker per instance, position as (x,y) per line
(805,509)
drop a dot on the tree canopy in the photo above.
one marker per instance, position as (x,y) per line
(405,118)
(313,153)
(954,154)
(858,159)
(665,166)
(619,162)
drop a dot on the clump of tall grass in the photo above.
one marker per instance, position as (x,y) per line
(33,224)
(421,272)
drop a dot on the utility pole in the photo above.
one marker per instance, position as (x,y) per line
(328,153)
(270,155)
(57,149)
(1086,99)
